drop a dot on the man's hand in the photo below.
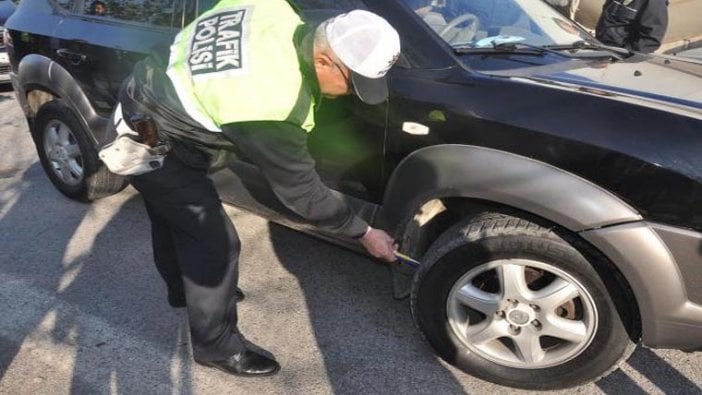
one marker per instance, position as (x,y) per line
(379,244)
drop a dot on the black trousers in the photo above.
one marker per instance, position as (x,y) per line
(196,250)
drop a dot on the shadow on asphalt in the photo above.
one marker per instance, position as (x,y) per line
(96,298)
(367,339)
(655,369)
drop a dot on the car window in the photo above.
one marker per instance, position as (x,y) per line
(167,13)
(66,4)
(96,7)
(483,23)
(193,9)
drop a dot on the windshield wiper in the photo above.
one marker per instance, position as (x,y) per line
(582,44)
(514,46)
(556,49)
(508,47)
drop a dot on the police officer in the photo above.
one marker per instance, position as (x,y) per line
(637,25)
(246,75)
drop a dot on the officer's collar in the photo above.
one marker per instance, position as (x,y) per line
(304,42)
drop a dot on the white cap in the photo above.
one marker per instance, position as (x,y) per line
(368,46)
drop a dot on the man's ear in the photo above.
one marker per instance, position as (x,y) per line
(322,60)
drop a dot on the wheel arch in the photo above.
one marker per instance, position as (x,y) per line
(438,186)
(489,175)
(41,80)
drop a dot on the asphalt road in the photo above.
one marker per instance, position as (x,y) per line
(82,309)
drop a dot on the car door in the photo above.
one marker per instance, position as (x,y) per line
(111,43)
(347,145)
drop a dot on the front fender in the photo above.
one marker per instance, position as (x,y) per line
(39,72)
(497,176)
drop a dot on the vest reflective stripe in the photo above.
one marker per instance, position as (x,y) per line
(237,62)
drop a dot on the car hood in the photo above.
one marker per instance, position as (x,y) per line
(656,80)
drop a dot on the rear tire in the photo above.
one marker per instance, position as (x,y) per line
(513,303)
(69,156)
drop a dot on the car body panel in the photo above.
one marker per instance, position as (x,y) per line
(685,247)
(347,145)
(101,61)
(617,149)
(669,318)
(40,71)
(668,82)
(497,176)
(694,53)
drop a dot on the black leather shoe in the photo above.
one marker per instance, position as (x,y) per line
(177,299)
(247,363)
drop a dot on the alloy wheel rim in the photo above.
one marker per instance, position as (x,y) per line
(522,313)
(63,152)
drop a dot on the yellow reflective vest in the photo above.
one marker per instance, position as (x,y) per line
(237,62)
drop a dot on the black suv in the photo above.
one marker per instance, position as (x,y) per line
(551,187)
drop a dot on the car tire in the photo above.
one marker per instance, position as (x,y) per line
(69,157)
(511,302)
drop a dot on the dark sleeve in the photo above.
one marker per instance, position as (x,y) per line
(653,23)
(279,149)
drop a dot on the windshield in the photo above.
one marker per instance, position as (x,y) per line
(485,23)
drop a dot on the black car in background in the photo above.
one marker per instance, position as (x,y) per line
(550,186)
